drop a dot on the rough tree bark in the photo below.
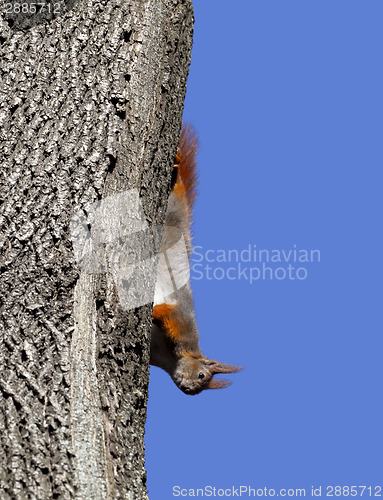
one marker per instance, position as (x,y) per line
(90,105)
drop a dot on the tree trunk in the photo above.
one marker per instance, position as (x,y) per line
(91,105)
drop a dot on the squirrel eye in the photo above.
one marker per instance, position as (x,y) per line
(201,375)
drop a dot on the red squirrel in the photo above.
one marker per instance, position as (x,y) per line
(174,335)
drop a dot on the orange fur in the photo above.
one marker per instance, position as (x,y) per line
(166,315)
(186,160)
(161,311)
(180,190)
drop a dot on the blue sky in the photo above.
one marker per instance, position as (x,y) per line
(287,100)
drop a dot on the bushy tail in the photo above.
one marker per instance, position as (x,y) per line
(187,156)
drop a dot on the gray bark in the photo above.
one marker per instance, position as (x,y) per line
(90,105)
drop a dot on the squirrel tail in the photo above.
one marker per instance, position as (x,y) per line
(187,162)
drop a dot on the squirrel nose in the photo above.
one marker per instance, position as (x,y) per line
(185,389)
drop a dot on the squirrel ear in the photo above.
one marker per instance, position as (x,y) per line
(217,367)
(218,383)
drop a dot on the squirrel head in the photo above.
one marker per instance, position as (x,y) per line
(193,374)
